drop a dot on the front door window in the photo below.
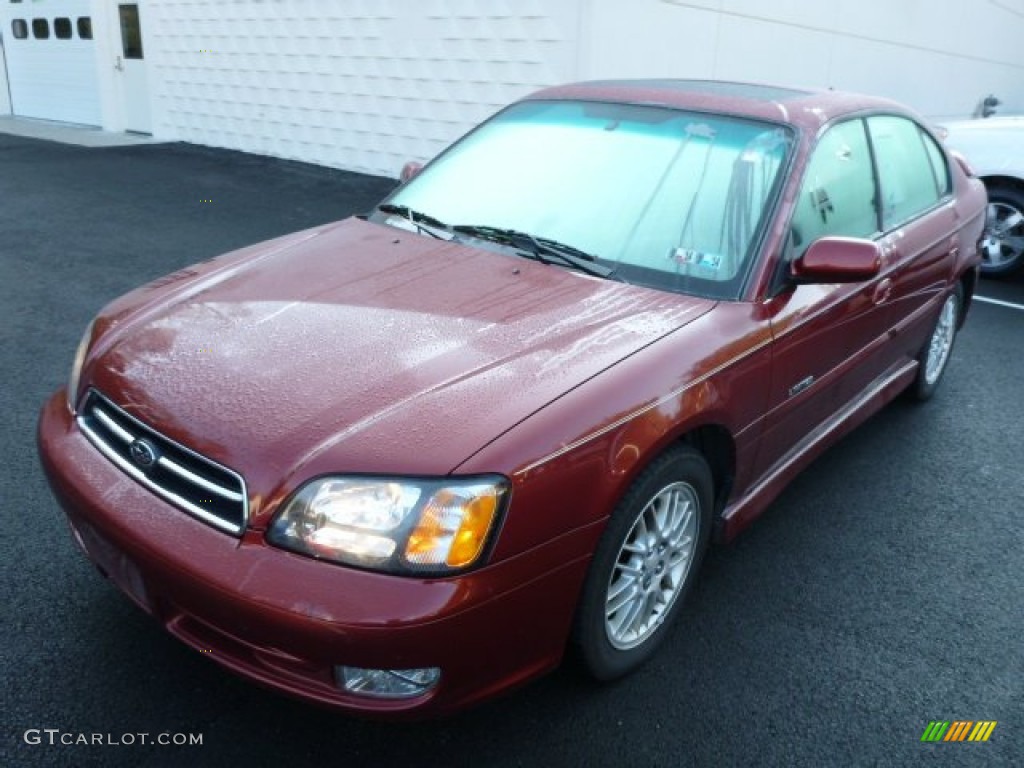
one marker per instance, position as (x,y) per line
(837,196)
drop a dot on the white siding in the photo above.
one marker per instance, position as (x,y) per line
(939,56)
(359,84)
(368,84)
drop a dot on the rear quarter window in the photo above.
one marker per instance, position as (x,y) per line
(943,182)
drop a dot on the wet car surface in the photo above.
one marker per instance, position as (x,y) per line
(457,429)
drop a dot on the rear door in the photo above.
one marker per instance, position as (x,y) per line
(921,227)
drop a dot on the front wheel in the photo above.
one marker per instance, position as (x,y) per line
(935,355)
(1002,246)
(645,563)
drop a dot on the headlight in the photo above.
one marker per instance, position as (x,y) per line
(76,366)
(391,524)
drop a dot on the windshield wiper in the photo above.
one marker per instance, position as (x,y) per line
(543,249)
(418,219)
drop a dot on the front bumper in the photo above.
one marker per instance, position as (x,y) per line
(286,621)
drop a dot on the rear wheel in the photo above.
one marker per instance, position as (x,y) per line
(935,355)
(645,564)
(1002,246)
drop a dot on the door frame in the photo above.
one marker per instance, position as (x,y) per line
(107,30)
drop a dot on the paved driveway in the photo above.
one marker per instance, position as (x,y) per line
(881,591)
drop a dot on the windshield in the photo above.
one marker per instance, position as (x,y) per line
(670,199)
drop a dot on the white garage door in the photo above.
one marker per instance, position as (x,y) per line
(51,60)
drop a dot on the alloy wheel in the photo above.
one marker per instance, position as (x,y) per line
(652,566)
(942,341)
(1003,243)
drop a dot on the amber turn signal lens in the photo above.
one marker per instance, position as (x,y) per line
(470,538)
(453,527)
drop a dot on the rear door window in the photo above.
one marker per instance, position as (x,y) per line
(912,173)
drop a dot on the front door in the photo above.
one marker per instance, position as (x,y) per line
(826,336)
(131,70)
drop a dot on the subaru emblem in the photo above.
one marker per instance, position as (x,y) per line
(143,453)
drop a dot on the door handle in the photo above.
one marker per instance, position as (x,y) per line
(882,291)
(118,65)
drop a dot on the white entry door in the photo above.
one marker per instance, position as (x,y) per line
(131,69)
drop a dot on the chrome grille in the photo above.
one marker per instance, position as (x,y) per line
(207,490)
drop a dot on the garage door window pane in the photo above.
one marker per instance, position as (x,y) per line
(85,28)
(19,28)
(131,35)
(40,29)
(62,28)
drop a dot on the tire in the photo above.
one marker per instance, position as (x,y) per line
(934,357)
(1002,245)
(644,564)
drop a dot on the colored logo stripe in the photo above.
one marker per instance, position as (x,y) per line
(958,730)
(982,730)
(935,730)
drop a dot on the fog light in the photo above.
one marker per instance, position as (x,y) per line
(387,683)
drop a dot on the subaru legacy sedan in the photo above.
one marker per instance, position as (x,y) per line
(404,462)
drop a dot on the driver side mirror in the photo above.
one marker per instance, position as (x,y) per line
(409,170)
(838,260)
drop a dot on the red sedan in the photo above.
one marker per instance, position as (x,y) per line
(398,464)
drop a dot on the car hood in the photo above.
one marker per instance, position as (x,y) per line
(362,348)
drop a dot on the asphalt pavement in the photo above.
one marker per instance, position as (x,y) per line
(882,590)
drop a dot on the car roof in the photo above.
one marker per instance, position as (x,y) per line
(805,107)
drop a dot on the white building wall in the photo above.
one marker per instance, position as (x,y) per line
(939,56)
(368,84)
(358,84)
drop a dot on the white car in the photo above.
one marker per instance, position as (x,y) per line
(994,148)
